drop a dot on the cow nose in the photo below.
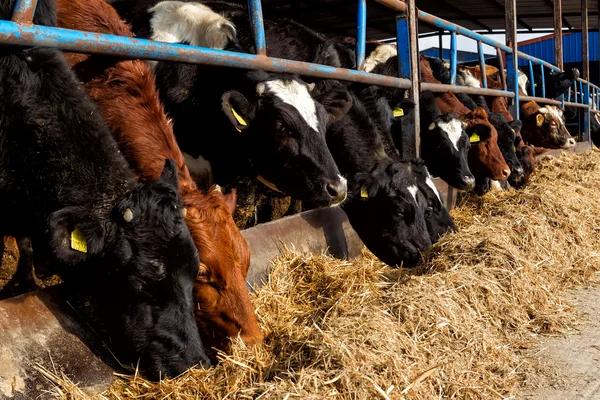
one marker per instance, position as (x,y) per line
(517,171)
(506,173)
(337,190)
(571,142)
(468,182)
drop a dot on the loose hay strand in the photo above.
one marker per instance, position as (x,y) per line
(454,328)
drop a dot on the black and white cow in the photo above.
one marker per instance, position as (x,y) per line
(557,83)
(64,183)
(245,123)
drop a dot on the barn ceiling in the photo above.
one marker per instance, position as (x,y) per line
(339,16)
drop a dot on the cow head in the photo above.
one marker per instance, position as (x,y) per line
(437,217)
(387,211)
(223,307)
(526,155)
(141,264)
(286,127)
(444,148)
(485,157)
(506,143)
(546,128)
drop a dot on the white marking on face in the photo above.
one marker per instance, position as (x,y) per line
(379,56)
(413,190)
(453,129)
(296,94)
(470,80)
(345,183)
(522,80)
(194,23)
(432,187)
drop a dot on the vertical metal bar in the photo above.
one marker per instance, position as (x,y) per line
(408,66)
(500,58)
(361,33)
(586,112)
(543,82)
(558,44)
(581,91)
(441,44)
(482,63)
(531,79)
(453,60)
(585,40)
(24,11)
(512,60)
(575,90)
(258,26)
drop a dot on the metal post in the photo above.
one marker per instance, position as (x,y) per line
(500,58)
(531,78)
(558,44)
(24,11)
(482,63)
(512,60)
(441,44)
(258,26)
(453,58)
(361,33)
(543,82)
(408,60)
(586,69)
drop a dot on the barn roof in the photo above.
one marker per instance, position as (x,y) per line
(339,16)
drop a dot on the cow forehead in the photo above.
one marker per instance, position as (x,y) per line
(430,183)
(453,129)
(296,95)
(413,191)
(555,112)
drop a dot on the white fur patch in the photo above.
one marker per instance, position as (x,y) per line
(432,186)
(296,94)
(495,186)
(453,129)
(380,55)
(194,23)
(522,80)
(345,182)
(413,190)
(470,80)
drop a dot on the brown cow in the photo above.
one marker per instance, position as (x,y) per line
(485,157)
(128,100)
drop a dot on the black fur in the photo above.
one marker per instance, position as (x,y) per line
(60,169)
(557,83)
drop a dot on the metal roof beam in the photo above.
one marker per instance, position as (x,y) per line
(467,17)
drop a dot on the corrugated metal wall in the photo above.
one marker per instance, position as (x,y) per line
(571,49)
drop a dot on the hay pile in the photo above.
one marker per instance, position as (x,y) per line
(454,328)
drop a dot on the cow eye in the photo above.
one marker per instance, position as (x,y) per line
(281,128)
(203,272)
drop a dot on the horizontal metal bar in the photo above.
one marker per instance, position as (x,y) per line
(595,111)
(98,43)
(441,88)
(24,11)
(538,61)
(445,25)
(540,100)
(569,104)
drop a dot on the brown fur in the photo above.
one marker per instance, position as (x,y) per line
(126,95)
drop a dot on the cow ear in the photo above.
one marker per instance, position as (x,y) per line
(237,108)
(337,102)
(231,200)
(74,234)
(539,120)
(169,174)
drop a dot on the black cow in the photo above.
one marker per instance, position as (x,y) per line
(392,205)
(261,124)
(557,83)
(64,183)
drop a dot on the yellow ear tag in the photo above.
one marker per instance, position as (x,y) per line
(474,138)
(363,192)
(514,149)
(239,118)
(78,242)
(398,112)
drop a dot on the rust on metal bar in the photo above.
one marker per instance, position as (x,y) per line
(413,29)
(558,49)
(442,88)
(540,100)
(24,11)
(500,58)
(394,4)
(570,104)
